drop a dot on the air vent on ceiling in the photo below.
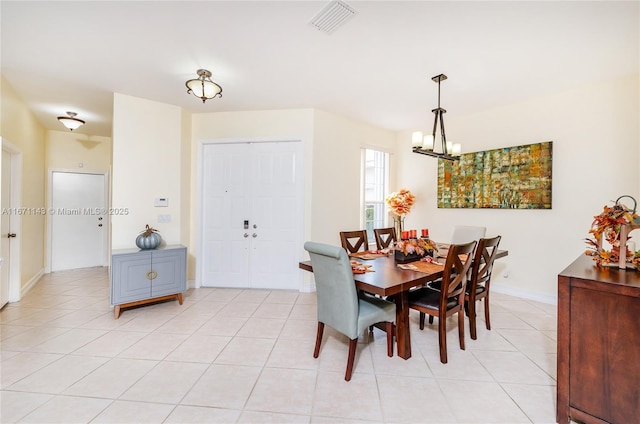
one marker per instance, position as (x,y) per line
(332,16)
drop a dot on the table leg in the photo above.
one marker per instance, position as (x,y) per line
(403,337)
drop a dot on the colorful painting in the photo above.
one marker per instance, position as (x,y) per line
(516,177)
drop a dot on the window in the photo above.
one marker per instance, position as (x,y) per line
(375,180)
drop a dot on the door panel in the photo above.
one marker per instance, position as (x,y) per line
(5,251)
(78,222)
(260,183)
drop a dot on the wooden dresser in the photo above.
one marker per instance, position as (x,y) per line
(598,344)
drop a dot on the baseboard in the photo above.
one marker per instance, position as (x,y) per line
(31,283)
(191,284)
(524,294)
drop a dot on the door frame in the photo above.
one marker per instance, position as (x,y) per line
(15,221)
(200,188)
(107,220)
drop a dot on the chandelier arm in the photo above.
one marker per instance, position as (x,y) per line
(444,137)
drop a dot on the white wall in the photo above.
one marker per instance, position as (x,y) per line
(595,131)
(337,152)
(147,150)
(75,150)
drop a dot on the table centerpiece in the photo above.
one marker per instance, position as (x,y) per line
(414,249)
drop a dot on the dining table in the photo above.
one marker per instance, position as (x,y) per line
(385,277)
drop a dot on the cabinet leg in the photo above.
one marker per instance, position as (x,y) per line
(180,298)
(116,311)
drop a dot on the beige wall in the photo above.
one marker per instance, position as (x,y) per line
(596,137)
(77,151)
(20,128)
(147,149)
(337,153)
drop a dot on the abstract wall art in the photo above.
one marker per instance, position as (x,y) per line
(516,177)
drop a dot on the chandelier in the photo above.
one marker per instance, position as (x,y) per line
(70,121)
(203,87)
(424,144)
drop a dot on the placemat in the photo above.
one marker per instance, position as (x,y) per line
(420,266)
(367,255)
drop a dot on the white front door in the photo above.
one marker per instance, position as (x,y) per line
(78,220)
(5,249)
(257,185)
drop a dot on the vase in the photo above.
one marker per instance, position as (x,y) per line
(398,224)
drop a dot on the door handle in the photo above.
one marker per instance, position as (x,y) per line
(246,235)
(254,235)
(11,235)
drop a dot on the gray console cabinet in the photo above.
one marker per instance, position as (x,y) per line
(144,276)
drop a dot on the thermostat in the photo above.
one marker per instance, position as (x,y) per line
(161,202)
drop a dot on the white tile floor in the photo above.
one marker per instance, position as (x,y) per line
(245,356)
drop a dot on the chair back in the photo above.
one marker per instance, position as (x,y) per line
(335,288)
(456,268)
(384,237)
(466,233)
(483,262)
(354,241)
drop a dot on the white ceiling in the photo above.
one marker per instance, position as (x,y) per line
(61,56)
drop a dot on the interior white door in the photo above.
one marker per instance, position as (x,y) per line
(5,248)
(276,213)
(78,220)
(225,248)
(260,185)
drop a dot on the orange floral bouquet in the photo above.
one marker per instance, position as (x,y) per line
(401,202)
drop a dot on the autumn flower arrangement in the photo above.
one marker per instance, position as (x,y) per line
(420,246)
(400,202)
(606,226)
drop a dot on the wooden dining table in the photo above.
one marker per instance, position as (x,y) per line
(388,279)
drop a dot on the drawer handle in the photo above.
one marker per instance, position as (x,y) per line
(151,275)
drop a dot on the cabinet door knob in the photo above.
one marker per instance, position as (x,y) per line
(151,275)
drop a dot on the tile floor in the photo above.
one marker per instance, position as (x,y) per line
(245,356)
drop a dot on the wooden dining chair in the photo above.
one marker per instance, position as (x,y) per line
(449,299)
(385,237)
(339,305)
(354,241)
(478,284)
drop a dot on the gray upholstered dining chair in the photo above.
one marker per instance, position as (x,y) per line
(466,233)
(338,303)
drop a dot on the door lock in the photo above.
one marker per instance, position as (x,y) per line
(99,225)
(11,235)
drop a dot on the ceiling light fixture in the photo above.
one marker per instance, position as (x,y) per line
(424,144)
(70,121)
(203,87)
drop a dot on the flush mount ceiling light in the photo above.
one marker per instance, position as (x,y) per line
(203,87)
(70,121)
(424,144)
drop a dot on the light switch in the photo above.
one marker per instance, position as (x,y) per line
(161,202)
